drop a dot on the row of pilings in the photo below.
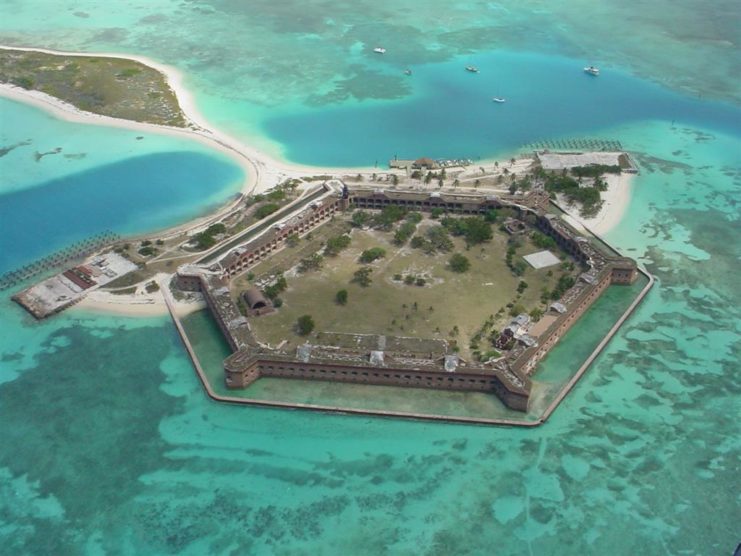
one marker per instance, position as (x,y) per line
(67,256)
(575,145)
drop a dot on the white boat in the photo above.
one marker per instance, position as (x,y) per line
(472,69)
(407,72)
(379,50)
(500,100)
(592,70)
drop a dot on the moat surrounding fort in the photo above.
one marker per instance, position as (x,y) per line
(388,356)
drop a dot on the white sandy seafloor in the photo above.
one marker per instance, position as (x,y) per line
(262,172)
(109,444)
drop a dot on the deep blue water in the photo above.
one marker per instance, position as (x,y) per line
(546,96)
(138,194)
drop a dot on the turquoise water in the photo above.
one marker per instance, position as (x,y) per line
(63,182)
(546,96)
(552,374)
(110,446)
(135,195)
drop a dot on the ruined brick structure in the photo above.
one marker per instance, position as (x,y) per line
(507,378)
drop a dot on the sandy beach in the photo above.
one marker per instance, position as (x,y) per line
(140,303)
(615,202)
(262,173)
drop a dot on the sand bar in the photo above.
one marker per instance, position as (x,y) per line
(263,171)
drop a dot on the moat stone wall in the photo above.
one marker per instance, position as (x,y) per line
(508,380)
(244,373)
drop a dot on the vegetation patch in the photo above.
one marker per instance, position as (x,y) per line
(207,238)
(114,87)
(372,254)
(572,186)
(411,292)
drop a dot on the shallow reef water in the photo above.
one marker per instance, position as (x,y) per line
(110,446)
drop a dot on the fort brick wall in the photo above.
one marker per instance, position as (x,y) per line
(508,380)
(241,259)
(246,372)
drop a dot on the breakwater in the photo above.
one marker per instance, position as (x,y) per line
(584,144)
(72,254)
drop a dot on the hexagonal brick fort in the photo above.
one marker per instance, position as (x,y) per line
(508,377)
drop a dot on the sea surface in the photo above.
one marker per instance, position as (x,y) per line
(108,443)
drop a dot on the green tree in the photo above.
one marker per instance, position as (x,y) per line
(543,241)
(215,229)
(370,255)
(516,309)
(477,230)
(389,216)
(204,240)
(404,232)
(314,262)
(266,210)
(414,217)
(459,263)
(361,218)
(341,297)
(439,239)
(336,244)
(519,268)
(362,276)
(305,325)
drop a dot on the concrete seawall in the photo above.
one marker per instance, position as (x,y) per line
(325,408)
(598,350)
(419,416)
(583,251)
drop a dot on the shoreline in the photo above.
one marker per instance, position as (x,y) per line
(140,304)
(615,204)
(132,306)
(262,171)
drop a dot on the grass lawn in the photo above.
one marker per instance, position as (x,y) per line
(388,306)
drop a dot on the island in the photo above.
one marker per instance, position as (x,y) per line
(108,86)
(432,274)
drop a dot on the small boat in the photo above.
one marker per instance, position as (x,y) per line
(472,69)
(500,100)
(379,50)
(407,72)
(592,70)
